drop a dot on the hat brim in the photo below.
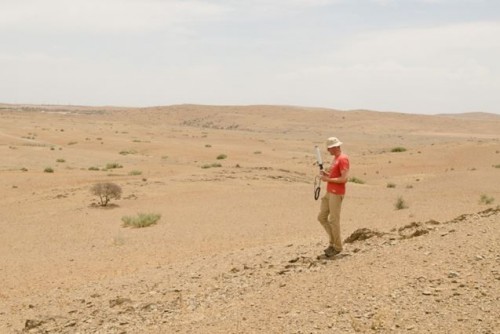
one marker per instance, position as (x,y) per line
(335,145)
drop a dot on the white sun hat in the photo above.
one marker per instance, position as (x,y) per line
(333,142)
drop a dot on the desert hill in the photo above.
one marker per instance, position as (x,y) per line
(235,250)
(474,115)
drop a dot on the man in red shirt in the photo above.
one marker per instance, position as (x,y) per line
(331,203)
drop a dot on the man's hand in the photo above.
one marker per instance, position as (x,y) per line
(324,176)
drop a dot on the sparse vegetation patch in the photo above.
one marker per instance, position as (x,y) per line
(400,203)
(485,199)
(141,220)
(126,152)
(398,149)
(356,180)
(212,165)
(113,165)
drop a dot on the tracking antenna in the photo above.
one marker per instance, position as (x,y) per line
(317,180)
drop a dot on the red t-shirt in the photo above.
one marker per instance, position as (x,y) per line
(340,164)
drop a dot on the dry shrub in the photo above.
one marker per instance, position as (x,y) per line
(400,204)
(106,191)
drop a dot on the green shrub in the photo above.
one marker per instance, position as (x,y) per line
(485,199)
(496,166)
(356,180)
(221,157)
(125,152)
(400,204)
(113,165)
(212,165)
(135,172)
(93,168)
(142,220)
(398,149)
(48,170)
(391,185)
(60,160)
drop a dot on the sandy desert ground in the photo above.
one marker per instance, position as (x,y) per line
(236,248)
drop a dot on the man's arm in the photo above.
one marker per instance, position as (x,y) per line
(344,174)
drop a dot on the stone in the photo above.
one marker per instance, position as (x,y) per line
(31,323)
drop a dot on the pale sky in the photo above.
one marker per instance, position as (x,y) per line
(412,56)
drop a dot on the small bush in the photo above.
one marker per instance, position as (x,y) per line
(257,152)
(213,165)
(485,199)
(48,170)
(356,180)
(142,220)
(60,160)
(126,152)
(398,149)
(400,204)
(93,168)
(208,145)
(24,169)
(221,157)
(106,191)
(113,165)
(391,185)
(135,172)
(496,166)
(72,143)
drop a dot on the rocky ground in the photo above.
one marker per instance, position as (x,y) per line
(424,277)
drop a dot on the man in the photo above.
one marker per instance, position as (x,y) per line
(336,178)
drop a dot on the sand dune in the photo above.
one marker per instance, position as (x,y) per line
(235,250)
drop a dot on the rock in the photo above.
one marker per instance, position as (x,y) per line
(118,301)
(30,324)
(362,234)
(71,323)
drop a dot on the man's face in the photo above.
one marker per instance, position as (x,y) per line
(334,150)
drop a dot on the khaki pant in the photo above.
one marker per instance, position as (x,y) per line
(329,217)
